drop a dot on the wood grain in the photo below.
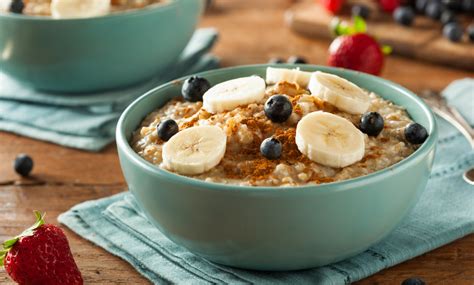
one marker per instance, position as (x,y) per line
(423,40)
(251,32)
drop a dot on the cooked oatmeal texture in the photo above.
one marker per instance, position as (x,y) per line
(247,126)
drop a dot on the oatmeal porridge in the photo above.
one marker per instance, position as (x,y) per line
(295,128)
(72,8)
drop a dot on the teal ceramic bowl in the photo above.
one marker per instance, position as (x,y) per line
(277,228)
(84,55)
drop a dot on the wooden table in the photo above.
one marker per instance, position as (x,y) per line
(250,32)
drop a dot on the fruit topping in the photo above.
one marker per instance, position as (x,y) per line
(194,88)
(271,148)
(278,108)
(166,129)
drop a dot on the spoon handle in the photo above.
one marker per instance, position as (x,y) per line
(461,120)
(450,119)
(449,113)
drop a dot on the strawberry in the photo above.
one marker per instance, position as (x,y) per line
(389,5)
(40,255)
(354,49)
(333,6)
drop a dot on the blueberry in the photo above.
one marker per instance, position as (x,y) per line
(23,164)
(276,60)
(371,123)
(468,6)
(297,60)
(360,10)
(448,17)
(415,133)
(434,9)
(470,32)
(404,15)
(420,5)
(17,6)
(194,87)
(271,148)
(453,31)
(278,108)
(166,129)
(413,281)
(452,4)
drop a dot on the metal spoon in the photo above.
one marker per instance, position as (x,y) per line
(452,115)
(469,176)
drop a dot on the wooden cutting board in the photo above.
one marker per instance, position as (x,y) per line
(423,40)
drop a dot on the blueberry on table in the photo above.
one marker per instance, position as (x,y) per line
(276,60)
(420,5)
(360,10)
(371,123)
(297,60)
(23,164)
(415,133)
(404,15)
(470,32)
(271,148)
(467,5)
(17,6)
(194,88)
(166,129)
(452,4)
(278,108)
(413,281)
(448,17)
(434,9)
(453,31)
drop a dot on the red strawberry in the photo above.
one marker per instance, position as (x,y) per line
(389,5)
(358,52)
(332,6)
(40,256)
(354,49)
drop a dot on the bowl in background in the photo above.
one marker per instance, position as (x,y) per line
(277,228)
(92,54)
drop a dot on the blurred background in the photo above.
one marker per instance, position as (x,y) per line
(258,31)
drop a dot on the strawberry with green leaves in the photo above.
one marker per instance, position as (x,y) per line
(354,49)
(332,6)
(41,256)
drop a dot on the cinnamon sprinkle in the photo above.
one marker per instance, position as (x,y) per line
(243,159)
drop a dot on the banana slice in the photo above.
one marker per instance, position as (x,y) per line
(275,75)
(5,5)
(61,9)
(195,150)
(339,92)
(329,139)
(230,94)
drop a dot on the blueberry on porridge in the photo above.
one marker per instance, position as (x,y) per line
(293,128)
(72,8)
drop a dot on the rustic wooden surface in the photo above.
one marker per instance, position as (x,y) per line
(251,32)
(423,40)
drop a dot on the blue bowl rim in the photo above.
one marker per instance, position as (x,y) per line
(339,186)
(128,13)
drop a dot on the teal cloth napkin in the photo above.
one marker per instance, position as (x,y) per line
(444,213)
(87,121)
(460,94)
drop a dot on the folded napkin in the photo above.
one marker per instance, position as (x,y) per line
(443,214)
(87,121)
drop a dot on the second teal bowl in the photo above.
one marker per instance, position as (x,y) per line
(85,55)
(277,228)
